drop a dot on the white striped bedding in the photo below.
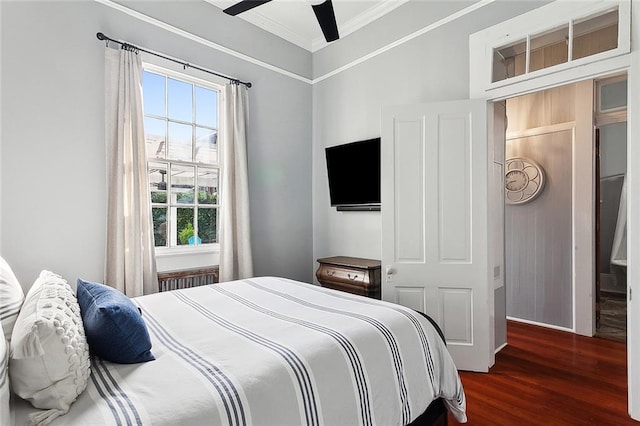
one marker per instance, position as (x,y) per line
(272,351)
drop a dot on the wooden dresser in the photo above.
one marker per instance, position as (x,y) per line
(351,274)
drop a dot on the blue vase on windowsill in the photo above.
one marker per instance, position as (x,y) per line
(191,241)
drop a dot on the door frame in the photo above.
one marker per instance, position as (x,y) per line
(597,217)
(629,63)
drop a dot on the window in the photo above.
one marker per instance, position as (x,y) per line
(611,94)
(611,101)
(181,121)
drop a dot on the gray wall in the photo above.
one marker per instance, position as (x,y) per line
(613,149)
(346,106)
(52,169)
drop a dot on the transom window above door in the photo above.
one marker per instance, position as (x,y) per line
(568,42)
(549,46)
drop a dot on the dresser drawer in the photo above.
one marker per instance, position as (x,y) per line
(333,273)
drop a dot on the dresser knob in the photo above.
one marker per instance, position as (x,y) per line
(331,273)
(352,277)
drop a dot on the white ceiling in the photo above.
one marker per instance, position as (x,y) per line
(294,20)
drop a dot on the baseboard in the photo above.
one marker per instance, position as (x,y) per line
(541,324)
(501,347)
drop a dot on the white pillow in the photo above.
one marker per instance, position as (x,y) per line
(5,411)
(11,298)
(49,353)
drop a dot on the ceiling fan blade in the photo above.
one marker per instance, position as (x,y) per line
(243,6)
(327,20)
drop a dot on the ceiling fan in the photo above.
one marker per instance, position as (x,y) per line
(324,14)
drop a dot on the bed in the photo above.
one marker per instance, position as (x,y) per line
(273,351)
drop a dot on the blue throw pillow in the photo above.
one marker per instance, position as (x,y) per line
(113,325)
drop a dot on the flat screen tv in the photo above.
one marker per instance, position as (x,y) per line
(354,175)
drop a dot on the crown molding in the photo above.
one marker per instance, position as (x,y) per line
(376,11)
(282,31)
(258,19)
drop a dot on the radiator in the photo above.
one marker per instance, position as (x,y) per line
(173,280)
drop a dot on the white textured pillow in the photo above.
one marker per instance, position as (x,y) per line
(49,353)
(11,298)
(5,411)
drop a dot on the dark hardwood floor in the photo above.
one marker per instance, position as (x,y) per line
(613,316)
(549,377)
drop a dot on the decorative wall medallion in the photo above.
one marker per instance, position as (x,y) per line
(523,180)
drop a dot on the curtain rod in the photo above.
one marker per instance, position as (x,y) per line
(186,65)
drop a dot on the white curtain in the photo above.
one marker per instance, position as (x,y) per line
(235,242)
(619,249)
(130,255)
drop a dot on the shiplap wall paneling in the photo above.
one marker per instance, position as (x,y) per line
(538,235)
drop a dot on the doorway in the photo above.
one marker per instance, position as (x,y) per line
(540,213)
(541,217)
(610,173)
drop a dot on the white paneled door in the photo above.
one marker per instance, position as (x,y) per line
(435,204)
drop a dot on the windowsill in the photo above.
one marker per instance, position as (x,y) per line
(181,251)
(190,257)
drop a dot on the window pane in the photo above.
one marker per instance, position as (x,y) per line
(509,61)
(158,182)
(595,34)
(206,107)
(207,225)
(180,146)
(207,186)
(180,100)
(184,228)
(613,95)
(549,49)
(154,132)
(206,146)
(153,86)
(182,184)
(159,226)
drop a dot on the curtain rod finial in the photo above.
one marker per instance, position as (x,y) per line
(101,36)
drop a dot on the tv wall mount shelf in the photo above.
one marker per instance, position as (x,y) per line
(359,208)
